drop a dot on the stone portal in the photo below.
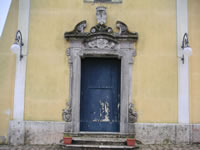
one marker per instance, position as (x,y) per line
(101,42)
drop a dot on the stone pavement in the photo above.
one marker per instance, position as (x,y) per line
(170,147)
(142,147)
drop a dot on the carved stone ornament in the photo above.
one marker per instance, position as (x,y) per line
(101,44)
(67,114)
(132,114)
(101,34)
(101,15)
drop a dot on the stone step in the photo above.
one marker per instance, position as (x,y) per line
(99,134)
(96,147)
(99,141)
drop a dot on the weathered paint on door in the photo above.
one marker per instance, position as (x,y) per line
(100,95)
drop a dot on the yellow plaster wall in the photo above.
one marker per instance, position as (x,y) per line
(155,68)
(154,71)
(194,34)
(7,73)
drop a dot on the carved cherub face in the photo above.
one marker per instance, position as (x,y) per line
(101,15)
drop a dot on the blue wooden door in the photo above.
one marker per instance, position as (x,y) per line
(100,95)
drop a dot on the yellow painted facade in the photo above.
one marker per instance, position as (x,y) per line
(47,84)
(155,69)
(7,66)
(194,34)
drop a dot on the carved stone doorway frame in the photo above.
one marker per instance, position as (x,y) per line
(76,52)
(102,42)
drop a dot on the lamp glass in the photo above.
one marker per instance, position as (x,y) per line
(15,48)
(187,51)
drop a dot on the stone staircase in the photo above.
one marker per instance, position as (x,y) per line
(96,141)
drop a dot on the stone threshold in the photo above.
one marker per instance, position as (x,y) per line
(99,146)
(99,134)
(92,139)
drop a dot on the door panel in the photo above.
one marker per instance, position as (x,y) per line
(100,95)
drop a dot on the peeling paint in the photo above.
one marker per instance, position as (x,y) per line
(118,105)
(104,112)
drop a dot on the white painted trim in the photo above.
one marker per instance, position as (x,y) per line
(19,91)
(183,71)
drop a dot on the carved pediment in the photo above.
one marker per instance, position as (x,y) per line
(101,33)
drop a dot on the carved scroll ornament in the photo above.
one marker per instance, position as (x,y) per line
(132,114)
(67,113)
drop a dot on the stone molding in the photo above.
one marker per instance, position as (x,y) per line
(101,31)
(101,41)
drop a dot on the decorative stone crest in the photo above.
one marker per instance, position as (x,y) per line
(132,114)
(101,15)
(101,44)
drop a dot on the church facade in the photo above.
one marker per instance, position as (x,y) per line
(110,66)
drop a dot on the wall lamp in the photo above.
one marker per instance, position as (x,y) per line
(187,50)
(17,45)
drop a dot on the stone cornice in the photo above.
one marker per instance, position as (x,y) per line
(101,32)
